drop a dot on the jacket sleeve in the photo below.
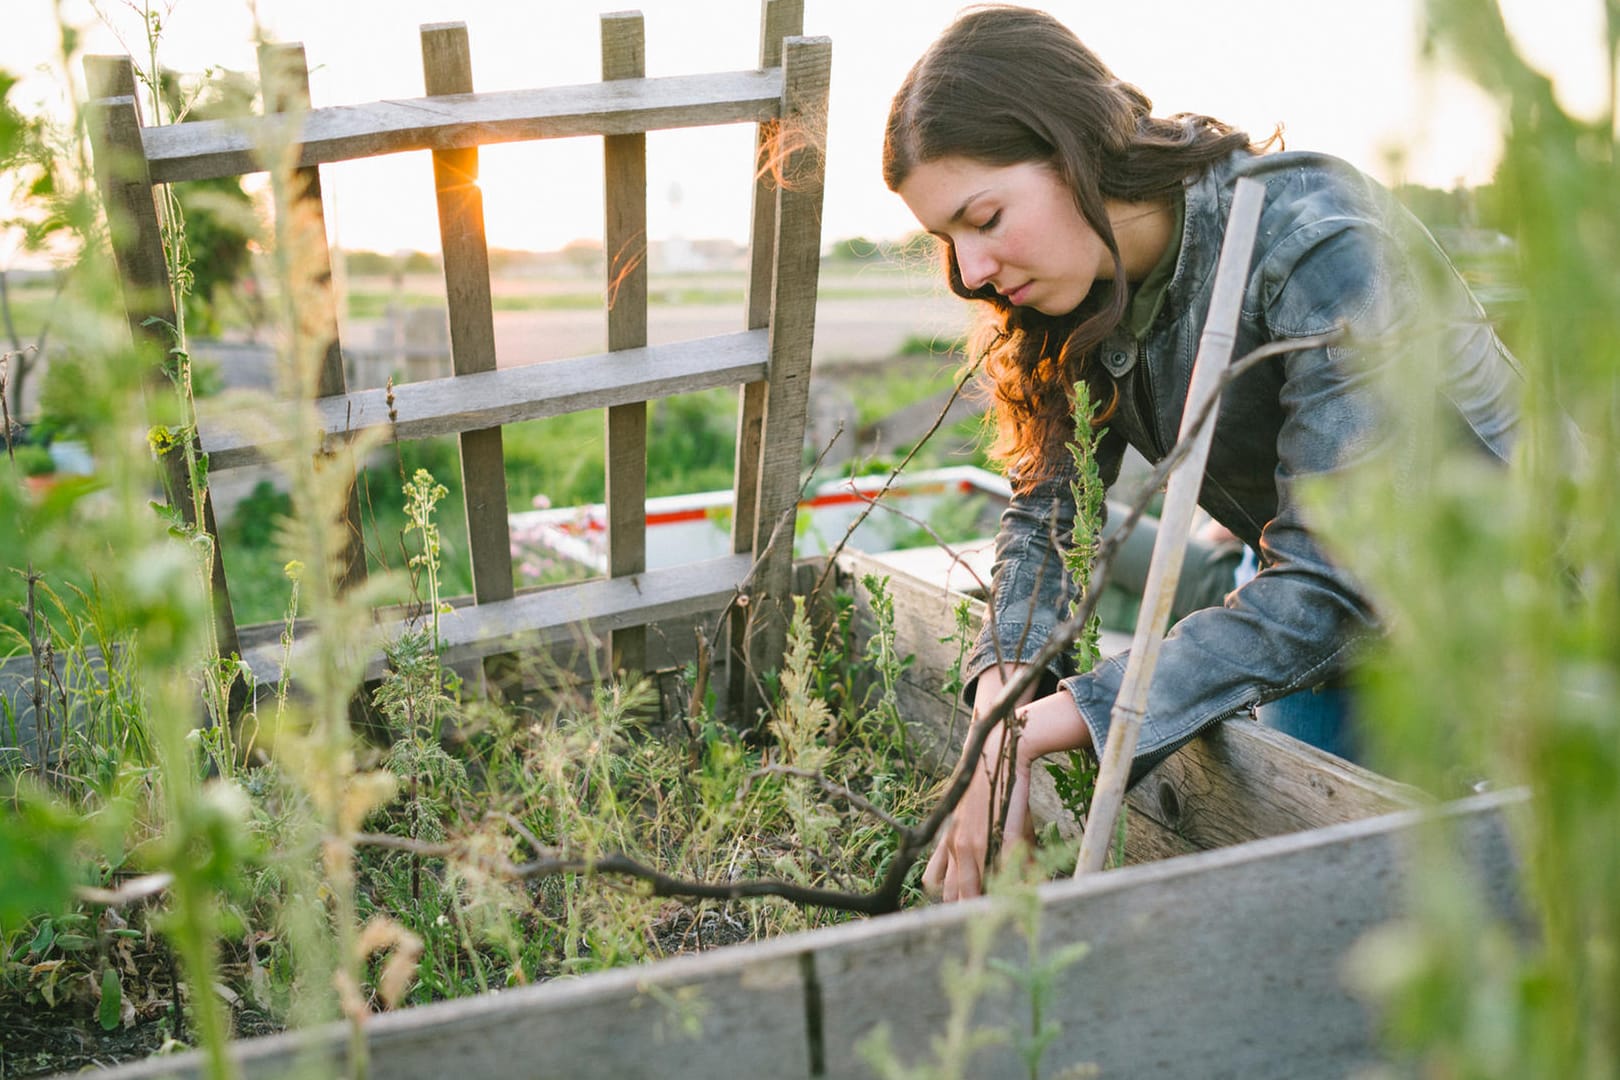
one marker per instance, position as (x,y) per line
(1298,621)
(1031,590)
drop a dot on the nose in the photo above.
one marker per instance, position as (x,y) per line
(974,262)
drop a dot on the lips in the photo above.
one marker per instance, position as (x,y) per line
(1017,296)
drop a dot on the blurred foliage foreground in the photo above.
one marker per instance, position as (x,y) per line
(265,877)
(1503,592)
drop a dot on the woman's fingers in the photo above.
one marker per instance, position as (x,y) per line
(962,876)
(1019,825)
(933,878)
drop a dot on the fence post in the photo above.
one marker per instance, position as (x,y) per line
(624,158)
(284,79)
(447,69)
(799,161)
(113,121)
(779,19)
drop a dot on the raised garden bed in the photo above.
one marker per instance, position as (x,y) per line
(1255,865)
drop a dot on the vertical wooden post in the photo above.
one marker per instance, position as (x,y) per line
(806,68)
(284,78)
(447,66)
(624,56)
(779,19)
(114,125)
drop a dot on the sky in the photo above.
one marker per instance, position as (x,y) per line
(1340,77)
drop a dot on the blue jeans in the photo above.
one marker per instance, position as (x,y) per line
(1320,716)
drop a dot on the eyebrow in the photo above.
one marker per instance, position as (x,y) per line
(961,212)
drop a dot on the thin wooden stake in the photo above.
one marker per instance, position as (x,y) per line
(1169,548)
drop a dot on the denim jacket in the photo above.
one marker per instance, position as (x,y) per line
(1333,248)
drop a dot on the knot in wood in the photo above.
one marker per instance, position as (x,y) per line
(1169,802)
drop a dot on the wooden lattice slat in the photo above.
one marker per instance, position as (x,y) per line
(806,63)
(213,148)
(779,19)
(624,56)
(114,126)
(284,76)
(447,69)
(447,406)
(594,606)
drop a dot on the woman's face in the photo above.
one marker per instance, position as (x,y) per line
(1012,227)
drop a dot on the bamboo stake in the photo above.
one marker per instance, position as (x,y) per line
(1170,546)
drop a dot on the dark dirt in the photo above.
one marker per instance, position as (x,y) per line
(37,1041)
(40,1041)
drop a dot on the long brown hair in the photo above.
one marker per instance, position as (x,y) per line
(1004,85)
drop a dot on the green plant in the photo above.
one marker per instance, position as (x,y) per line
(1075,778)
(29,460)
(1502,590)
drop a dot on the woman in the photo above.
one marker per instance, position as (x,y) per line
(1087,230)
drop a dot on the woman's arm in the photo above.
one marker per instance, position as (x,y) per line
(1301,619)
(1048,725)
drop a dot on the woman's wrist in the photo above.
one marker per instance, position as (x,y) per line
(1050,725)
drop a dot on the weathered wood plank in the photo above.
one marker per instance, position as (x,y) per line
(807,66)
(697,1016)
(447,70)
(284,77)
(341,133)
(1223,964)
(432,407)
(1246,781)
(109,76)
(113,125)
(624,159)
(122,176)
(590,607)
(779,20)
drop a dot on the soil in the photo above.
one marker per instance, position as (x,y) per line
(40,1041)
(36,1040)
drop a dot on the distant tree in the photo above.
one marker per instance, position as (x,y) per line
(45,205)
(220,221)
(586,257)
(854,250)
(420,262)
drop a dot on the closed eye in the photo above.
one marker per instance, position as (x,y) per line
(990,223)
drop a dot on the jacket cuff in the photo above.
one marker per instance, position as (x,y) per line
(1094,694)
(987,652)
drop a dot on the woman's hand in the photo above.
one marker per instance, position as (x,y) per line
(955,871)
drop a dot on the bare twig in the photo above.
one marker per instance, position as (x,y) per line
(860,802)
(913,840)
(131,892)
(894,474)
(874,502)
(739,597)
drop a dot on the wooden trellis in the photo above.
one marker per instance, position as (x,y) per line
(768,358)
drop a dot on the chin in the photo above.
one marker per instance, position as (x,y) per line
(1056,311)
